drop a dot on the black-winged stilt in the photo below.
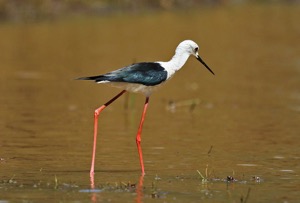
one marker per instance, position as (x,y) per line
(143,78)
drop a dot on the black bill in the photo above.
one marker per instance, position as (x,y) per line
(199,59)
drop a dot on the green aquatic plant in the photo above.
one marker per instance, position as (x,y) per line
(55,182)
(11,180)
(205,178)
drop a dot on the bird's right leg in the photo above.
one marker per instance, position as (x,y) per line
(96,115)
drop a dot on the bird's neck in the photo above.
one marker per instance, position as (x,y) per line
(177,61)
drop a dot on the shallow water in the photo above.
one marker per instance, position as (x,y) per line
(243,122)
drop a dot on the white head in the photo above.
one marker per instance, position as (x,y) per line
(191,48)
(188,46)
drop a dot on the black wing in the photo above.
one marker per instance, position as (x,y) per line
(148,74)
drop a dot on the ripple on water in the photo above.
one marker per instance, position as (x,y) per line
(248,165)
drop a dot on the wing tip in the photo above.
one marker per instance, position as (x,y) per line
(96,79)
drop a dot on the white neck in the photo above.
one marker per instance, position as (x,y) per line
(176,63)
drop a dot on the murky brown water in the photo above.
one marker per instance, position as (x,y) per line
(249,112)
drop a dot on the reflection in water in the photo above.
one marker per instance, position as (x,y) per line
(94,194)
(139,190)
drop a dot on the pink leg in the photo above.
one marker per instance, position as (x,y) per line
(138,136)
(97,112)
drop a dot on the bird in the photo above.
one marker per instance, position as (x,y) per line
(142,78)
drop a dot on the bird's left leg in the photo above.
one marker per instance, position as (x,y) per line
(138,136)
(96,115)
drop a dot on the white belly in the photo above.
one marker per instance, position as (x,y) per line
(136,88)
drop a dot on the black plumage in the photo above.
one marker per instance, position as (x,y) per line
(147,73)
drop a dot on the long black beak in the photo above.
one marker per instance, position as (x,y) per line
(199,59)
